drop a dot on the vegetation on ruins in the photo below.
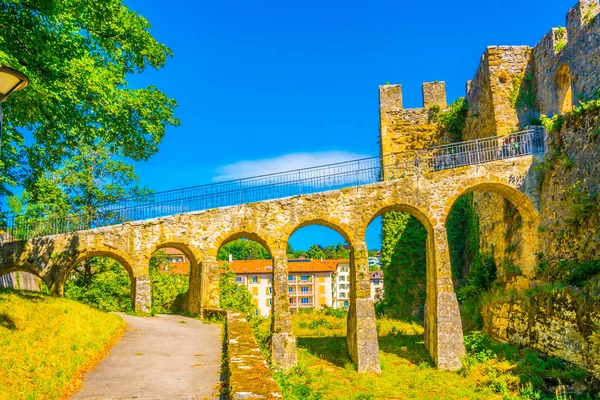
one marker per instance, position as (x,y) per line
(522,95)
(78,55)
(48,343)
(560,39)
(403,261)
(452,119)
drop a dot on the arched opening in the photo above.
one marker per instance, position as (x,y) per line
(101,280)
(398,237)
(318,256)
(564,94)
(246,275)
(492,238)
(169,269)
(21,279)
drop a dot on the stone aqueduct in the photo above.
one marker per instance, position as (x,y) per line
(427,196)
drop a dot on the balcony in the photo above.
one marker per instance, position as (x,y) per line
(296,294)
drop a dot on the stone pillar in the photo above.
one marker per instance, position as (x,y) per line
(283,341)
(443,326)
(362,332)
(142,294)
(209,286)
(194,297)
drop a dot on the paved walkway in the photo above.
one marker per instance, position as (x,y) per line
(165,357)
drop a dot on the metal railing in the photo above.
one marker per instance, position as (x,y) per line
(280,185)
(481,151)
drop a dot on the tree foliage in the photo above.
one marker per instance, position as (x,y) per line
(101,283)
(243,249)
(404,265)
(77,55)
(234,296)
(167,287)
(316,252)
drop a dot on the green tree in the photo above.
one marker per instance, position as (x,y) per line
(243,249)
(234,296)
(315,252)
(89,179)
(101,283)
(78,55)
(167,287)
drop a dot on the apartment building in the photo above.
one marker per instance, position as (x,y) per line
(341,287)
(309,282)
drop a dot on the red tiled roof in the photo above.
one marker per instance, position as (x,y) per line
(266,266)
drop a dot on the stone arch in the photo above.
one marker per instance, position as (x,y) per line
(524,205)
(424,216)
(336,225)
(443,327)
(563,87)
(114,255)
(193,298)
(230,236)
(519,199)
(43,278)
(184,248)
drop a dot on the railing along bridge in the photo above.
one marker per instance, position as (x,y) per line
(280,185)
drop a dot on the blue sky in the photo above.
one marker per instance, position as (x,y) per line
(269,86)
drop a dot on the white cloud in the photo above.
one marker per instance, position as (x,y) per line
(286,162)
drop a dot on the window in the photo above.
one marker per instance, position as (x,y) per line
(269,290)
(305,278)
(239,279)
(342,278)
(304,300)
(342,286)
(254,279)
(343,295)
(345,304)
(290,289)
(256,312)
(304,289)
(292,300)
(269,302)
(290,278)
(376,282)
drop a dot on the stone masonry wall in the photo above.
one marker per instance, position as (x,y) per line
(557,323)
(571,182)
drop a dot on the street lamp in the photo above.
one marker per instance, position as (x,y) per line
(11,80)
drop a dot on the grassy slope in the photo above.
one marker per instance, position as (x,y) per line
(325,371)
(46,343)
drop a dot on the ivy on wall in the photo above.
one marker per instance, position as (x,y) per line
(451,120)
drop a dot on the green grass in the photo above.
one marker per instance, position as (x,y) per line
(47,343)
(493,371)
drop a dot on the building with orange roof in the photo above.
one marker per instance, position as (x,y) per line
(310,282)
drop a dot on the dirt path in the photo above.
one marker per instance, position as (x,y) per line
(165,357)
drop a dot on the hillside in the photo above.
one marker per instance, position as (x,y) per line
(47,343)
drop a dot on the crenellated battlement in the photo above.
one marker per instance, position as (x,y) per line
(511,87)
(408,128)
